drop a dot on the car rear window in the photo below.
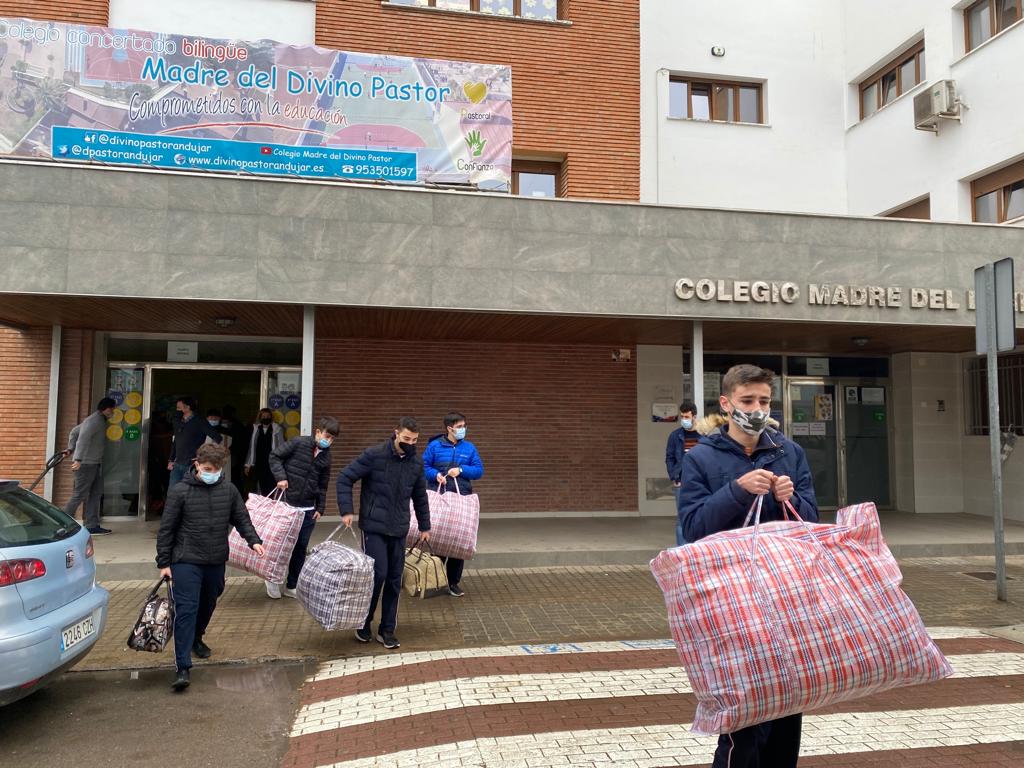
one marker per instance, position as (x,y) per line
(26,519)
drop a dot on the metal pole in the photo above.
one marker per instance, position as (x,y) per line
(992,360)
(697,365)
(51,407)
(308,356)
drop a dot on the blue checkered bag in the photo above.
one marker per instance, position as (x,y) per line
(336,584)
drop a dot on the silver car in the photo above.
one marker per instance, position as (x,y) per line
(52,611)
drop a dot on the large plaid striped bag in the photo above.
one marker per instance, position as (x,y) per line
(454,522)
(786,617)
(278,524)
(336,584)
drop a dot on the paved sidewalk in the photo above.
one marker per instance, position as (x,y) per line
(516,606)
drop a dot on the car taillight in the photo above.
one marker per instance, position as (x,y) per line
(89,548)
(17,571)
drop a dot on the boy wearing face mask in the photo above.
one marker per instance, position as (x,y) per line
(679,442)
(722,477)
(267,436)
(302,468)
(391,475)
(192,548)
(450,464)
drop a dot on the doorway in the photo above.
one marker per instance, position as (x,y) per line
(843,427)
(235,392)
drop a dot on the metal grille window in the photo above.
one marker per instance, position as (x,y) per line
(1011,394)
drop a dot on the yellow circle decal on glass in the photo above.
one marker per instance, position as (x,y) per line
(292,418)
(291,432)
(133,416)
(114,433)
(278,417)
(116,417)
(133,399)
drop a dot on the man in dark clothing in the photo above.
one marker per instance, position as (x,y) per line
(679,442)
(392,473)
(86,444)
(192,548)
(302,468)
(722,478)
(189,433)
(267,436)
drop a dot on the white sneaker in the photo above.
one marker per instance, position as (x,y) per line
(273,590)
(288,592)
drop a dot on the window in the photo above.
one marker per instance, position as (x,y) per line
(999,197)
(721,101)
(536,179)
(546,10)
(1010,372)
(893,80)
(987,18)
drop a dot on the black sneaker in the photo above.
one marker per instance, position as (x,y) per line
(98,530)
(181,681)
(455,590)
(201,649)
(388,640)
(363,635)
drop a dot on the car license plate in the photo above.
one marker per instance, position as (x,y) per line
(76,633)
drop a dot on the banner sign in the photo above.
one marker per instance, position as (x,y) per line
(126,97)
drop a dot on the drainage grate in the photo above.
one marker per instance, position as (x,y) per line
(985,575)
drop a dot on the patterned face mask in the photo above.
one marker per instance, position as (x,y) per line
(753,423)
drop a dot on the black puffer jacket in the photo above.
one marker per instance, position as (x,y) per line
(307,475)
(389,481)
(196,521)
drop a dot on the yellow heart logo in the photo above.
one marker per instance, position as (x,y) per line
(475,92)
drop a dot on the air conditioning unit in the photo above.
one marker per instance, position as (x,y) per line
(939,102)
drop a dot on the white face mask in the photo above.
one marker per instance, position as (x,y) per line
(686,423)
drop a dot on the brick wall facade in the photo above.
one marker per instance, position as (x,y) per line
(23,403)
(73,11)
(575,89)
(555,425)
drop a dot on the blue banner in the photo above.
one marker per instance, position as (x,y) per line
(192,153)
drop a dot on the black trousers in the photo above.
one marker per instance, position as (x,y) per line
(265,478)
(453,566)
(388,553)
(775,744)
(301,545)
(196,589)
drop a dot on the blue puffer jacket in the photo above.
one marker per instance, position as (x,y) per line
(441,455)
(710,500)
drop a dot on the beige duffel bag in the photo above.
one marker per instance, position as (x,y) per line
(424,574)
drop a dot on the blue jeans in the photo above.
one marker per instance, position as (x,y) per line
(196,589)
(679,522)
(299,553)
(177,475)
(388,553)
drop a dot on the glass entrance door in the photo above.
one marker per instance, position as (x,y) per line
(866,443)
(813,426)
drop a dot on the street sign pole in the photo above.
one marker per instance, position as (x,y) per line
(995,332)
(992,360)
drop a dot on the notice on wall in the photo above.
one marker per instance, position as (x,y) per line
(182,351)
(873,395)
(817,429)
(852,396)
(817,366)
(801,430)
(664,412)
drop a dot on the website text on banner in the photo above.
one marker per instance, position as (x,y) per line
(85,93)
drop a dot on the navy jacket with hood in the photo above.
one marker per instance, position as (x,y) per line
(389,481)
(711,501)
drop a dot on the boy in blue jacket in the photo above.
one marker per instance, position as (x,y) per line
(722,477)
(451,462)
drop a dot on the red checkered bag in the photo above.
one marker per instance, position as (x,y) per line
(278,524)
(787,617)
(454,520)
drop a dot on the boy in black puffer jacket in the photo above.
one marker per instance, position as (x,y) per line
(302,469)
(192,548)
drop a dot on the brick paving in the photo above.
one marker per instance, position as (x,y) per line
(533,605)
